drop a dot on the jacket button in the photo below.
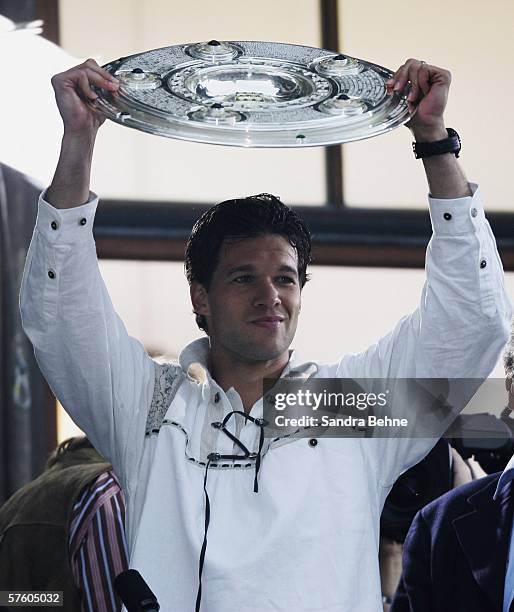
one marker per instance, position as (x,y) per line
(447,216)
(51,274)
(483,263)
(474,212)
(83,221)
(54,225)
(216,398)
(313,442)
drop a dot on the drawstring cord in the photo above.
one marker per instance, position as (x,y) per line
(261,423)
(258,459)
(204,544)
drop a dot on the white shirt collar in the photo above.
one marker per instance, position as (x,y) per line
(505,478)
(196,355)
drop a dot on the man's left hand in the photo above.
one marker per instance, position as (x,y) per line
(428,96)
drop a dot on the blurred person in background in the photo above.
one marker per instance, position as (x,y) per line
(65,531)
(440,471)
(459,552)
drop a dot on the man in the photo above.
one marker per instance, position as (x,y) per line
(65,531)
(459,552)
(456,552)
(218,518)
(443,469)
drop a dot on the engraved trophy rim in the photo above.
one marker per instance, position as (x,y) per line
(253,94)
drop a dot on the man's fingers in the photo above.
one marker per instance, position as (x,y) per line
(83,77)
(399,79)
(414,90)
(91,64)
(94,77)
(419,76)
(414,71)
(84,86)
(424,79)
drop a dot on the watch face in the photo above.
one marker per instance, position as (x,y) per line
(253,94)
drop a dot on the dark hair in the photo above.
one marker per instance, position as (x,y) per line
(508,354)
(238,219)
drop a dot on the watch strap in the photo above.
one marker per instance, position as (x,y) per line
(452,144)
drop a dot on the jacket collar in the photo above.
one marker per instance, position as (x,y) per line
(194,360)
(484,536)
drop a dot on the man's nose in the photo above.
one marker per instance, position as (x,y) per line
(267,294)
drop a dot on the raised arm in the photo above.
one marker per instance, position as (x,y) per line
(102,376)
(464,314)
(428,96)
(70,185)
(463,319)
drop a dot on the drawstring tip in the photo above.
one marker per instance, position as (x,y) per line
(258,460)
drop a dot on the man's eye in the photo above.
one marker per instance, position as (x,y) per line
(245,278)
(286,280)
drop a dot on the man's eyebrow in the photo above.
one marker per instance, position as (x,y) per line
(286,268)
(244,268)
(251,268)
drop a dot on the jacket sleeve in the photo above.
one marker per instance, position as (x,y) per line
(102,376)
(456,333)
(464,315)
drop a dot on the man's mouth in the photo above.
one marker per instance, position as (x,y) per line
(271,323)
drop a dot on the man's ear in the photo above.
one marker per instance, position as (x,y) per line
(199,299)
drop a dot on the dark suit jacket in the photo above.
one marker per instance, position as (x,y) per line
(456,551)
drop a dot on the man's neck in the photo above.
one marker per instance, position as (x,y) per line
(245,377)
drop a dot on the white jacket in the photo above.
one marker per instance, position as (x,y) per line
(308,540)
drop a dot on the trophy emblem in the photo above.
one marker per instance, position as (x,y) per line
(253,94)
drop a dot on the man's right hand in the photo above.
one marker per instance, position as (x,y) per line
(73,89)
(74,92)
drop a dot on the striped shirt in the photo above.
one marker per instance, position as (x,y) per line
(97,545)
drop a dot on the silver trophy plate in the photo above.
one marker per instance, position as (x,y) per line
(253,94)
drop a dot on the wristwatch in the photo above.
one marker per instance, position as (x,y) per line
(452,144)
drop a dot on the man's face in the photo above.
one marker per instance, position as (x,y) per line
(253,303)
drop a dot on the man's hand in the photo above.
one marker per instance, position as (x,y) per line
(428,96)
(390,562)
(73,90)
(74,93)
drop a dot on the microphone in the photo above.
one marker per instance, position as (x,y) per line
(135,593)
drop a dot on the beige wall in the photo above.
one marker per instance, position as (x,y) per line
(474,40)
(30,125)
(136,165)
